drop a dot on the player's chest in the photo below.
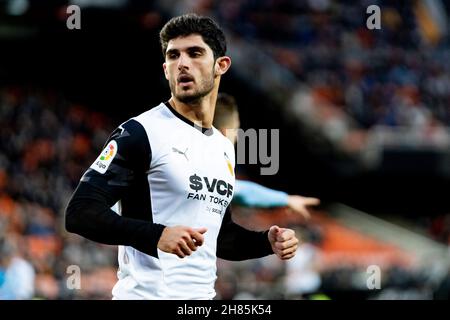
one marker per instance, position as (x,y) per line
(195,165)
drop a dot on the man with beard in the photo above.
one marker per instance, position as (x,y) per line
(170,176)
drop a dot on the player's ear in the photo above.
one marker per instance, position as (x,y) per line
(165,71)
(222,65)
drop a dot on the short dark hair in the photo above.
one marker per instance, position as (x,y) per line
(226,106)
(191,23)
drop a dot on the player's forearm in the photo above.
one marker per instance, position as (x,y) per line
(89,215)
(242,244)
(238,243)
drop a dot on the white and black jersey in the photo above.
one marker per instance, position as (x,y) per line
(159,169)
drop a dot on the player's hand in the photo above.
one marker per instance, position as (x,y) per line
(300,204)
(284,242)
(181,240)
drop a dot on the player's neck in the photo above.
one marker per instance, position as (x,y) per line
(201,113)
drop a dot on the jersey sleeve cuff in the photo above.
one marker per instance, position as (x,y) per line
(150,244)
(266,246)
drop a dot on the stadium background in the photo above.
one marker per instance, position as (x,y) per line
(363,115)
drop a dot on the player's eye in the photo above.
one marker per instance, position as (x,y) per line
(172,55)
(195,53)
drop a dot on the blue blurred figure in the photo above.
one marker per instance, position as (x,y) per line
(16,274)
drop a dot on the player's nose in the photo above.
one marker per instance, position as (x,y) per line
(183,62)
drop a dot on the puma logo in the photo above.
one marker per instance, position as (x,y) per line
(180,152)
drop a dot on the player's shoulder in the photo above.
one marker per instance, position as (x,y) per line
(220,136)
(223,140)
(134,129)
(151,114)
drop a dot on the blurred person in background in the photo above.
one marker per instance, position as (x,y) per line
(248,193)
(16,274)
(169,237)
(302,279)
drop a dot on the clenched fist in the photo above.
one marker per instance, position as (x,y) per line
(284,242)
(181,240)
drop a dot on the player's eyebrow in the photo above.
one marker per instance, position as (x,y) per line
(196,48)
(189,49)
(172,51)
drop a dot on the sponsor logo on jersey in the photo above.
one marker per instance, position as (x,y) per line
(101,164)
(216,186)
(221,187)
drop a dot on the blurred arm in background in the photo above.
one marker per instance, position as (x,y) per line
(251,194)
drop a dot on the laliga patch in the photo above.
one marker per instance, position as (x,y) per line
(105,158)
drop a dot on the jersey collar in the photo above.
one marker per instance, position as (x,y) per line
(205,131)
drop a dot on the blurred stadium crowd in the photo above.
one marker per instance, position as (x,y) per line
(45,145)
(377,77)
(357,79)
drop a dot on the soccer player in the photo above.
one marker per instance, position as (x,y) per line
(248,193)
(170,176)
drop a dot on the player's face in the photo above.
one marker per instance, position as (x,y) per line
(190,68)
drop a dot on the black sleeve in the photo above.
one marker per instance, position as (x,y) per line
(237,243)
(89,211)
